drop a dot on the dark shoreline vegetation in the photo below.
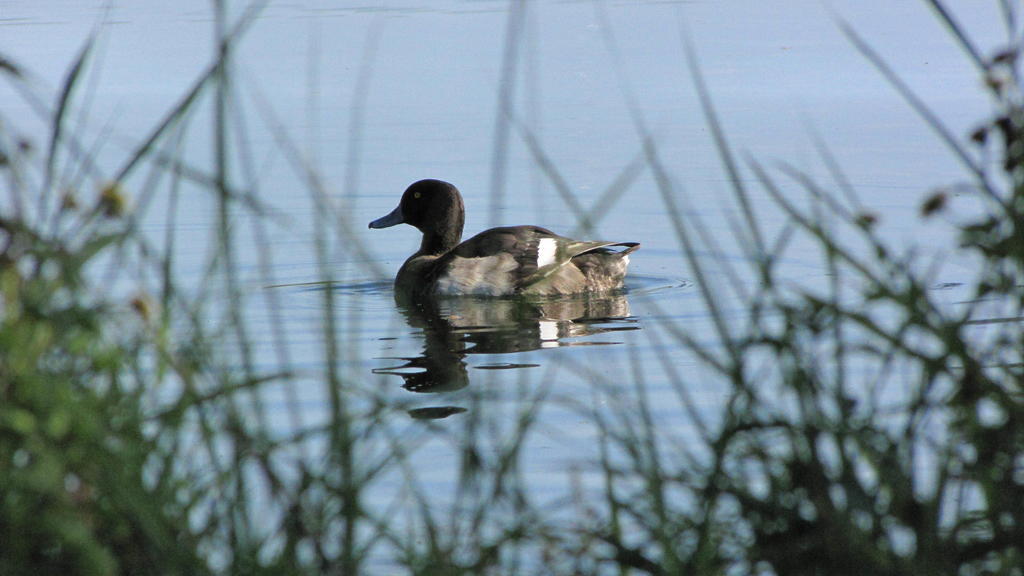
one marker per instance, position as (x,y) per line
(869,428)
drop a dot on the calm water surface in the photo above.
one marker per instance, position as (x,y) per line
(379,95)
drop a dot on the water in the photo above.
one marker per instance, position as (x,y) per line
(376,96)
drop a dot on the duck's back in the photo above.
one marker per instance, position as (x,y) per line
(526,260)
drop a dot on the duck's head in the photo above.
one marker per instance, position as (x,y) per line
(435,208)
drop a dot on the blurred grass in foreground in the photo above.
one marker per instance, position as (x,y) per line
(870,429)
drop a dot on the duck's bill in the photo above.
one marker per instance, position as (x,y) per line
(395,217)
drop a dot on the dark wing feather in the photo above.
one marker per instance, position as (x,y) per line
(569,249)
(520,242)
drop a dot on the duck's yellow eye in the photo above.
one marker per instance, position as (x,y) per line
(416,194)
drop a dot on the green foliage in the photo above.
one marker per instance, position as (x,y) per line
(73,452)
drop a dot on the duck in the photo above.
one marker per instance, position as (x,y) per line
(504,261)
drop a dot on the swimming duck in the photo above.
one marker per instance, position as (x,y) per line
(497,262)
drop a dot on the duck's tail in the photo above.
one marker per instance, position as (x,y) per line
(607,248)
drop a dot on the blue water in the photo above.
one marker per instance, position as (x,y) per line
(373,97)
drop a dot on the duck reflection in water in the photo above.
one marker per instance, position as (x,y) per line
(454,328)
